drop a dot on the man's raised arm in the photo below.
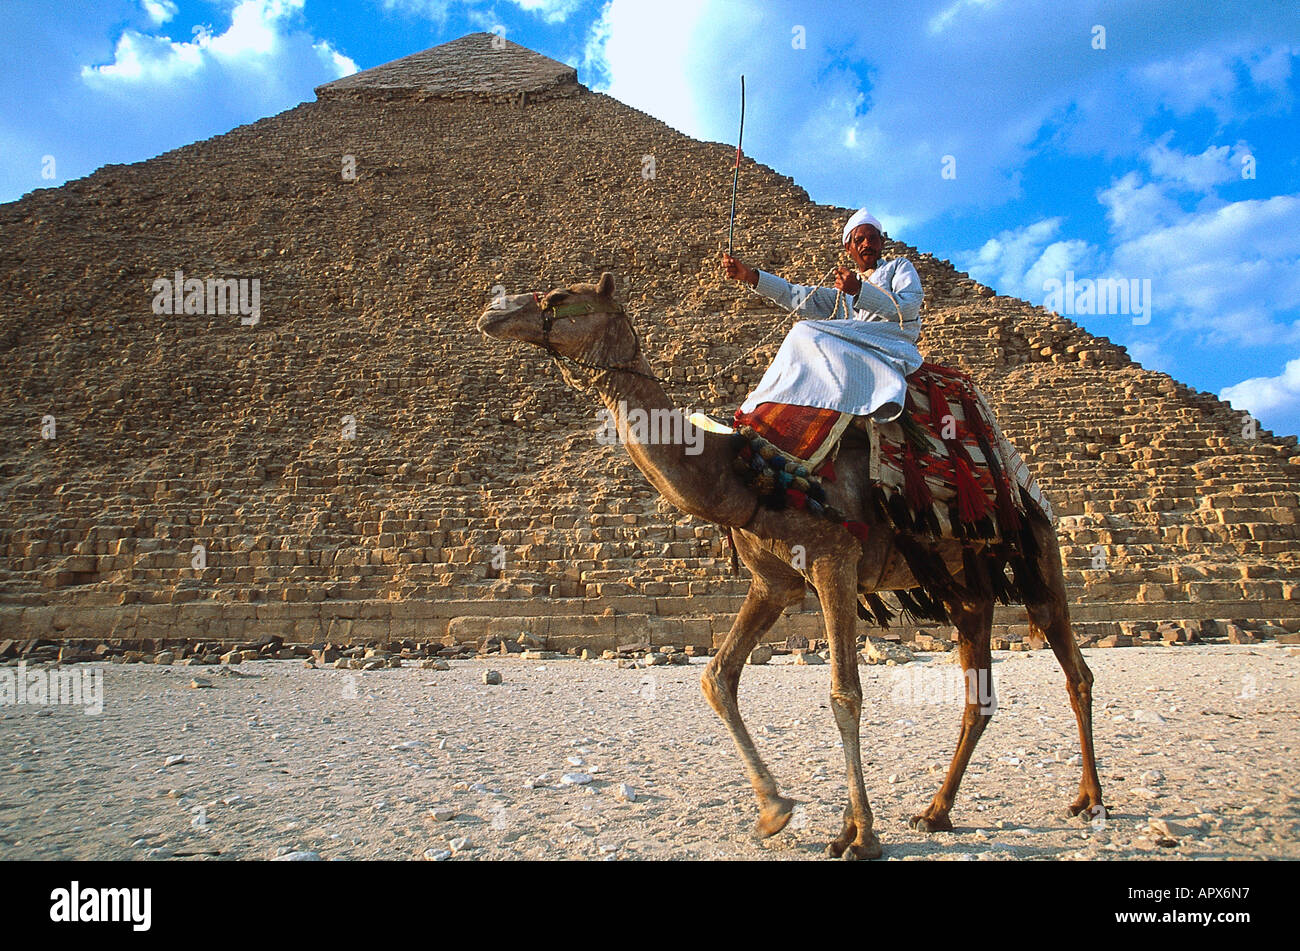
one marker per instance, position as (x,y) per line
(804,299)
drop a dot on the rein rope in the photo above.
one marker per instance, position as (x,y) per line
(779,327)
(551,313)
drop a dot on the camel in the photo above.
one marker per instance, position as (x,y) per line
(597,348)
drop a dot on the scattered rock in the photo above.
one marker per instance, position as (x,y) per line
(298,857)
(492,677)
(625,793)
(575,779)
(880,651)
(1167,828)
(760,655)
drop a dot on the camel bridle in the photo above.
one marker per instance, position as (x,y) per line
(551,312)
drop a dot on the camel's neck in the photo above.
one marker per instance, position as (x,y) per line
(690,467)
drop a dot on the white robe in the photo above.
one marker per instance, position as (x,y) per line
(852,361)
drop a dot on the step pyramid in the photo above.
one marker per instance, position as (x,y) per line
(356,461)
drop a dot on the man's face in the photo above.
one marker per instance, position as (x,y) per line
(865,246)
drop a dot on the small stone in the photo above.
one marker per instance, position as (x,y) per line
(166,657)
(625,793)
(343,663)
(680,659)
(760,655)
(437,855)
(575,779)
(298,857)
(1147,716)
(1167,828)
(807,659)
(175,760)
(200,682)
(655,659)
(434,663)
(575,761)
(492,677)
(232,657)
(880,651)
(460,844)
(442,815)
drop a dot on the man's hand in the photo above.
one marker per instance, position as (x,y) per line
(737,270)
(847,281)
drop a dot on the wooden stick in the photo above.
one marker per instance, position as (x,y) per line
(735,178)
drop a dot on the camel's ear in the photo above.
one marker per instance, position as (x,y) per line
(606,286)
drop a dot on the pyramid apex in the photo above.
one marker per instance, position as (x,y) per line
(475,65)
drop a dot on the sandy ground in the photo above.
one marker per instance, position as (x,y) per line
(279,759)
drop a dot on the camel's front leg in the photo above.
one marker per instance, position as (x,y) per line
(837,587)
(722,681)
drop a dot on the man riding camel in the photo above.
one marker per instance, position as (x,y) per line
(860,344)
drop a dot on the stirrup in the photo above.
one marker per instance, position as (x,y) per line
(887,413)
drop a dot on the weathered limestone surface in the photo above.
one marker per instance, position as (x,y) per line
(475,486)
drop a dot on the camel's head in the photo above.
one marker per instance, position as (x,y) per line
(580,321)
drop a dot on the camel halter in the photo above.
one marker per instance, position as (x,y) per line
(550,312)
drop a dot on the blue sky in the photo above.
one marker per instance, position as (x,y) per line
(1025,140)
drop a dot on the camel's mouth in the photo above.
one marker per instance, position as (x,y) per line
(496,317)
(492,320)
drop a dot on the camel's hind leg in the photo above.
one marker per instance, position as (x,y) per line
(775,585)
(1050,618)
(974,623)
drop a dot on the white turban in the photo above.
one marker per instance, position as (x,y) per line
(860,217)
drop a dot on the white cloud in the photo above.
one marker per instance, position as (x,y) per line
(552,11)
(1226,275)
(1019,261)
(1217,165)
(159,11)
(549,11)
(645,55)
(261,39)
(1269,397)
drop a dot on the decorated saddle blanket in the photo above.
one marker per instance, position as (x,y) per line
(945,456)
(942,470)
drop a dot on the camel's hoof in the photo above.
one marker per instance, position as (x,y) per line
(775,816)
(870,850)
(1089,804)
(853,852)
(924,823)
